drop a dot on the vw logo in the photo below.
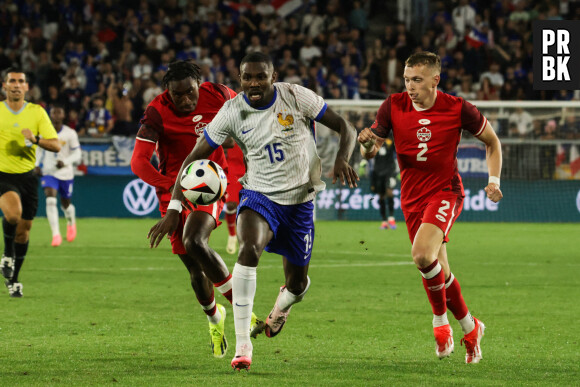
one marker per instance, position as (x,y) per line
(578,201)
(139,197)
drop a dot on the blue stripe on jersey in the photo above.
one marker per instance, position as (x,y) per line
(313,129)
(263,107)
(319,116)
(209,140)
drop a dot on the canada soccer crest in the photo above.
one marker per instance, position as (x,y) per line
(424,134)
(200,127)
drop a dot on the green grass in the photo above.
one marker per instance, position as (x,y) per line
(106,309)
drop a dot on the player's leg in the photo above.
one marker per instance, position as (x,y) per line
(52,211)
(20,250)
(472,328)
(216,313)
(294,241)
(390,197)
(11,207)
(294,290)
(66,190)
(232,244)
(29,199)
(426,245)
(254,234)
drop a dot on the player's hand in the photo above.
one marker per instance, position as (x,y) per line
(367,138)
(28,134)
(344,172)
(493,192)
(37,171)
(166,226)
(59,164)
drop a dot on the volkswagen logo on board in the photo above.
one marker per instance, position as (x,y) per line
(139,198)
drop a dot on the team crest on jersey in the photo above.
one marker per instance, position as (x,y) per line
(197,118)
(424,134)
(286,122)
(199,128)
(424,121)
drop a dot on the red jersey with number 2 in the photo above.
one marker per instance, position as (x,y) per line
(426,142)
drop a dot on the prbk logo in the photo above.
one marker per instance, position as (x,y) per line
(139,197)
(556,54)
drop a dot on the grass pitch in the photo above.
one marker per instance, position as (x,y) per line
(106,309)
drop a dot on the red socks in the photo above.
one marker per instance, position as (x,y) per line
(434,284)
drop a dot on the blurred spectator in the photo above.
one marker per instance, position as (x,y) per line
(463,17)
(98,121)
(487,92)
(522,121)
(152,90)
(309,51)
(494,76)
(571,127)
(465,89)
(122,110)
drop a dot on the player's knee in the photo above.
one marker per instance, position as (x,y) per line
(12,217)
(195,245)
(421,258)
(249,253)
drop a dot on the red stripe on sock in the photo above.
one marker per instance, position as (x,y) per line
(455,302)
(229,277)
(430,267)
(435,288)
(228,295)
(212,311)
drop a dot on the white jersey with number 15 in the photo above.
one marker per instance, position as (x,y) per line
(278,142)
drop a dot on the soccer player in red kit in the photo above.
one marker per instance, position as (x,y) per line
(427,126)
(237,169)
(171,125)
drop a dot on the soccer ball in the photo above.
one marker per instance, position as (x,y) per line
(204,182)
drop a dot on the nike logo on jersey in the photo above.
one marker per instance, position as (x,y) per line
(247,131)
(241,305)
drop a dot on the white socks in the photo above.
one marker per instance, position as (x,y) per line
(52,215)
(70,214)
(288,299)
(243,292)
(439,321)
(467,323)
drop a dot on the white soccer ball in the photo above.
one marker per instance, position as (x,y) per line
(204,182)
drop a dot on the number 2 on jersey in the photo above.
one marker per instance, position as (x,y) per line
(275,152)
(441,213)
(420,156)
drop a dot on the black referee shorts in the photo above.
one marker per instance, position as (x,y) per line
(26,186)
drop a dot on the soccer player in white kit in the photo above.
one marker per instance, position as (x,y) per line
(57,171)
(273,123)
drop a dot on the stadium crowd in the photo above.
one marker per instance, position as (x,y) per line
(104,60)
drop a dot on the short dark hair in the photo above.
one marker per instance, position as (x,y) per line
(13,70)
(179,70)
(426,58)
(257,56)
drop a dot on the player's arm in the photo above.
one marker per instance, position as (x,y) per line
(372,139)
(168,224)
(347,132)
(494,160)
(369,143)
(147,137)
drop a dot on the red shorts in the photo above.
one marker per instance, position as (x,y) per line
(233,191)
(177,238)
(442,210)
